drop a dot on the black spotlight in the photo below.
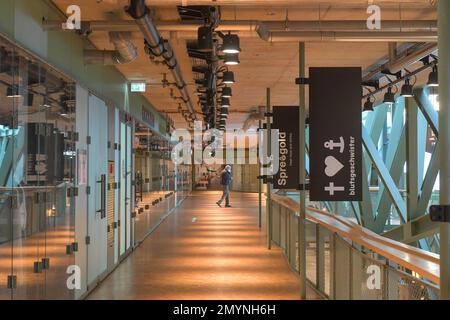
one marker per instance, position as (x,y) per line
(226,92)
(389,97)
(228,77)
(231,44)
(223,122)
(205,39)
(368,105)
(232,59)
(407,89)
(225,103)
(433,78)
(224,111)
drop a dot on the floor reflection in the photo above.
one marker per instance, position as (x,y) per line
(205,252)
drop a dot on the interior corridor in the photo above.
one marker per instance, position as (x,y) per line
(203,252)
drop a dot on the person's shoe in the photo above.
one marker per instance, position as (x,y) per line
(228,206)
(218,203)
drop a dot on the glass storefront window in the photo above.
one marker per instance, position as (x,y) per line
(37,165)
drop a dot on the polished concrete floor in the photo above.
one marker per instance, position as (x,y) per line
(205,252)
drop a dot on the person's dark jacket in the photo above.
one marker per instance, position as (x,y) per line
(225,178)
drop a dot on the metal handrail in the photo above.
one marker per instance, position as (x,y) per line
(400,280)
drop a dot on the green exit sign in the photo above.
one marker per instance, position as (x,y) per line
(138,87)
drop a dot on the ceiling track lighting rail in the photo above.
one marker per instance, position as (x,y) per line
(213,79)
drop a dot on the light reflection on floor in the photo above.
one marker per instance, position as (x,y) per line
(51,283)
(220,256)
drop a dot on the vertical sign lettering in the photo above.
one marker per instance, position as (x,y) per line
(335,134)
(285,119)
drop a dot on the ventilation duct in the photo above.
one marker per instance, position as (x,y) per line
(125,51)
(156,44)
(330,36)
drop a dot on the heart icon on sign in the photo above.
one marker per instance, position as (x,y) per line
(333,166)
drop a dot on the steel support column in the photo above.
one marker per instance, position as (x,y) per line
(444,140)
(302,175)
(260,186)
(269,184)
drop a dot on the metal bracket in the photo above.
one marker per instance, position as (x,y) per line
(72,192)
(304,187)
(266,179)
(45,263)
(302,81)
(73,136)
(268,114)
(75,246)
(88,190)
(88,240)
(37,268)
(440,213)
(14,204)
(37,197)
(88,140)
(12,282)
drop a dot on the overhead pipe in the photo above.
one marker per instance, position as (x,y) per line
(253,25)
(363,36)
(125,51)
(140,13)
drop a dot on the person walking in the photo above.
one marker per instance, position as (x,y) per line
(225,181)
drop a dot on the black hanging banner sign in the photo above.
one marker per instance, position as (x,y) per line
(335,134)
(285,119)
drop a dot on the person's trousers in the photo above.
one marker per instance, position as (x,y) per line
(225,195)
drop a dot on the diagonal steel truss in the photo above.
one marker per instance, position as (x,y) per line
(397,185)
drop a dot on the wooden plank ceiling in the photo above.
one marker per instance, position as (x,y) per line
(263,64)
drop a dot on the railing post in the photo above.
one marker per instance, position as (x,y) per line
(350,271)
(333,266)
(320,259)
(444,140)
